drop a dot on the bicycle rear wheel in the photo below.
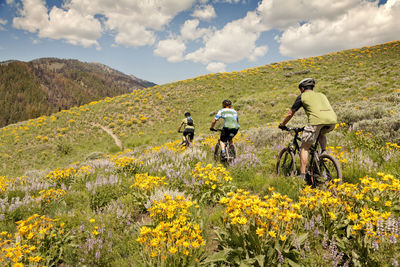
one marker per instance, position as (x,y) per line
(217,152)
(231,153)
(286,164)
(328,170)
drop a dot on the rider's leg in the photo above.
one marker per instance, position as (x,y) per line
(304,151)
(322,142)
(222,146)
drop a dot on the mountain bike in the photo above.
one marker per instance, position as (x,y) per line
(230,149)
(321,168)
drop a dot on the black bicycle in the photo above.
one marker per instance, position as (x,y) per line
(321,168)
(230,154)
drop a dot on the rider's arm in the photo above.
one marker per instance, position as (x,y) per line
(296,106)
(213,122)
(180,126)
(289,115)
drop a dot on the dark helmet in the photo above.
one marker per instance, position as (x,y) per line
(187,114)
(226,103)
(307,83)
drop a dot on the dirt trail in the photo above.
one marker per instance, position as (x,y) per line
(110,132)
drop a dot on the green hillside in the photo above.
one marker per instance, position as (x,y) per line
(107,183)
(362,84)
(44,86)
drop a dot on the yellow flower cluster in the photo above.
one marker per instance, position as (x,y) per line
(340,125)
(337,153)
(22,247)
(127,163)
(274,215)
(391,146)
(213,139)
(60,175)
(364,203)
(175,234)
(172,146)
(145,182)
(6,182)
(212,177)
(50,194)
(168,208)
(363,134)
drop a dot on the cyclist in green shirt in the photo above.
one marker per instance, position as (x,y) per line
(231,123)
(321,119)
(188,126)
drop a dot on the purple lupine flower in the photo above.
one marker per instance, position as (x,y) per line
(97,254)
(325,241)
(280,258)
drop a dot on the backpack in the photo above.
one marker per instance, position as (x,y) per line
(189,121)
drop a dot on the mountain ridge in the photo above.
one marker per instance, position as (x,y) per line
(47,85)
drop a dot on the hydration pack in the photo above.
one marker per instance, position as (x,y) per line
(189,121)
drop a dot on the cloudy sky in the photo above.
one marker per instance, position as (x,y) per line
(169,40)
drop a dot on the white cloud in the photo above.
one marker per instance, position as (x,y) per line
(171,49)
(282,14)
(189,30)
(235,42)
(259,51)
(134,23)
(206,12)
(2,22)
(230,1)
(216,67)
(70,25)
(365,24)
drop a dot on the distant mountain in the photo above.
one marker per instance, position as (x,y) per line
(47,85)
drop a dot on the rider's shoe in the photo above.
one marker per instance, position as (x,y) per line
(302,176)
(223,154)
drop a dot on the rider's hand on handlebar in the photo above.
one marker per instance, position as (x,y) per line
(282,127)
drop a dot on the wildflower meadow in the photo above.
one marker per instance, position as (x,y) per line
(69,196)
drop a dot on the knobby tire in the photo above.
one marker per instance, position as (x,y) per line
(286,164)
(328,170)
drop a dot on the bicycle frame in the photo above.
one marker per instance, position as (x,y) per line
(228,157)
(295,147)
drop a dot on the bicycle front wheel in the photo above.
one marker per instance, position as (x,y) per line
(286,164)
(329,169)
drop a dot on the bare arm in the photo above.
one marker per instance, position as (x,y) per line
(180,126)
(213,123)
(289,115)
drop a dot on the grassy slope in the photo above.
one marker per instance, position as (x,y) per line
(362,84)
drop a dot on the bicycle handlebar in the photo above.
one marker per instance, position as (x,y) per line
(215,130)
(295,129)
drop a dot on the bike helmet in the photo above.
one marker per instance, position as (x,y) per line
(307,83)
(226,103)
(187,114)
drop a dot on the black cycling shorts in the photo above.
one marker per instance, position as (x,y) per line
(227,134)
(189,132)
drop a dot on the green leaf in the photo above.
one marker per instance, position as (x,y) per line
(260,259)
(219,256)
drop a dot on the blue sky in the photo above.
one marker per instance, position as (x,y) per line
(169,40)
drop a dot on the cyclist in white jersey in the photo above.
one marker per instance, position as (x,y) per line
(231,123)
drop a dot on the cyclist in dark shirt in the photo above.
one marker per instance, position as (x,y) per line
(188,126)
(321,119)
